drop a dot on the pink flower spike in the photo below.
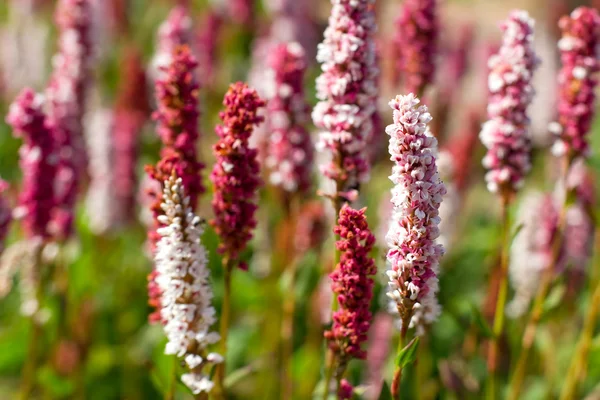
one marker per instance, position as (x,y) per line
(580,55)
(347,92)
(352,283)
(37,161)
(506,133)
(416,43)
(235,175)
(177,125)
(413,254)
(290,152)
(66,95)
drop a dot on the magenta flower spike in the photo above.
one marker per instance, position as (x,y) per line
(241,11)
(290,151)
(5,214)
(347,93)
(177,126)
(66,95)
(352,284)
(580,56)
(413,254)
(506,133)
(416,44)
(38,159)
(207,36)
(235,175)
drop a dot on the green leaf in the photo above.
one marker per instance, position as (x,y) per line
(408,354)
(516,232)
(385,393)
(482,324)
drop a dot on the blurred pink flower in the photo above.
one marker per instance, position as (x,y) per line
(207,41)
(38,158)
(579,48)
(506,133)
(131,113)
(352,283)
(416,44)
(66,95)
(289,156)
(235,175)
(347,92)
(413,254)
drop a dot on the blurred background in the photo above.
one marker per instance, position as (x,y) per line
(98,343)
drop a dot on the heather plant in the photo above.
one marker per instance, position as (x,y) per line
(281,252)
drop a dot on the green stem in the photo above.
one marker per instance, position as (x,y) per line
(225,319)
(330,368)
(580,359)
(30,367)
(287,334)
(172,384)
(395,389)
(499,314)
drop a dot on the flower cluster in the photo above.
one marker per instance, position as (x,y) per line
(130,115)
(177,125)
(66,95)
(290,151)
(5,214)
(579,48)
(186,309)
(352,284)
(38,163)
(506,133)
(415,41)
(347,91)
(413,253)
(235,175)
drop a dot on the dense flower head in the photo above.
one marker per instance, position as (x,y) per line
(5,213)
(413,254)
(580,55)
(290,151)
(183,280)
(347,92)
(177,126)
(235,175)
(352,284)
(506,133)
(416,44)
(38,159)
(131,113)
(66,95)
